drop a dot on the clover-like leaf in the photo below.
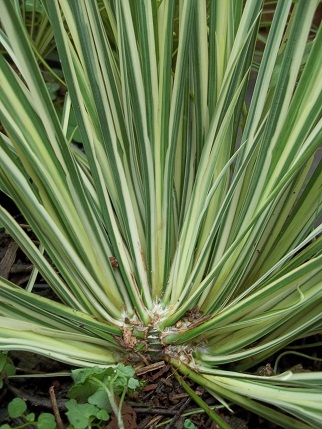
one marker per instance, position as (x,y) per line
(100,399)
(17,407)
(81,415)
(46,421)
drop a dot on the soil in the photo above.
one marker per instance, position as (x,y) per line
(161,403)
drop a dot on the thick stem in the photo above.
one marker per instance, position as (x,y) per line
(115,408)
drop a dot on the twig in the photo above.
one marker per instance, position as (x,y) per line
(178,413)
(150,368)
(152,411)
(55,408)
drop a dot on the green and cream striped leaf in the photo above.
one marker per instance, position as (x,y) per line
(69,347)
(206,204)
(281,391)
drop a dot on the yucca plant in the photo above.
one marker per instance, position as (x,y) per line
(186,230)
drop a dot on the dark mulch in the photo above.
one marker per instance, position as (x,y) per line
(161,401)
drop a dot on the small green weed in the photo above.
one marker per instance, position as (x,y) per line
(92,397)
(18,408)
(6,367)
(188,424)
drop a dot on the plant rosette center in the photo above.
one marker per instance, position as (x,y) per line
(148,343)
